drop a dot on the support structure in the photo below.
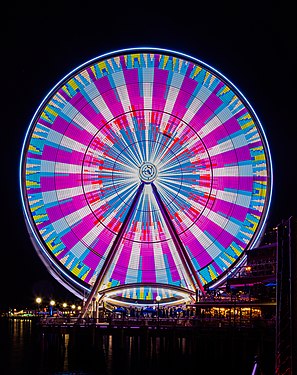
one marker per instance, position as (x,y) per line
(147,174)
(111,253)
(286,299)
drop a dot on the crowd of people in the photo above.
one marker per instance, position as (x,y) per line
(152,312)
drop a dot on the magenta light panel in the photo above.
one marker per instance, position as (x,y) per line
(155,150)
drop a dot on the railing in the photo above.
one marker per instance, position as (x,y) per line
(161,322)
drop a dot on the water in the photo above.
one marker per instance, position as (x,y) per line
(24,349)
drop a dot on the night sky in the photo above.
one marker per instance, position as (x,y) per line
(253,46)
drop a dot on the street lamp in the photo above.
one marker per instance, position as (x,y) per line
(38,301)
(158,299)
(52,304)
(64,305)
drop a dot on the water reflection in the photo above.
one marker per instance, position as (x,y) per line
(26,350)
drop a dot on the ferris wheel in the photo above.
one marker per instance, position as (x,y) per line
(144,172)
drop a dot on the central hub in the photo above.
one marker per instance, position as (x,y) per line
(147,172)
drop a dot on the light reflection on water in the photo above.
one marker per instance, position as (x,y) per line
(24,349)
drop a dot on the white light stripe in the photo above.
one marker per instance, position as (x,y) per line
(59,168)
(170,102)
(122,91)
(64,141)
(205,241)
(102,107)
(209,127)
(61,194)
(228,145)
(233,171)
(192,110)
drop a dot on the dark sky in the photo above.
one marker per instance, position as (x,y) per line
(253,45)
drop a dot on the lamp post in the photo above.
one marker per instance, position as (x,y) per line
(52,304)
(38,302)
(64,309)
(158,299)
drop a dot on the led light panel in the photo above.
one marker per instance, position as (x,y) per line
(144,167)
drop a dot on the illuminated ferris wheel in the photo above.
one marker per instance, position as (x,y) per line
(144,172)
